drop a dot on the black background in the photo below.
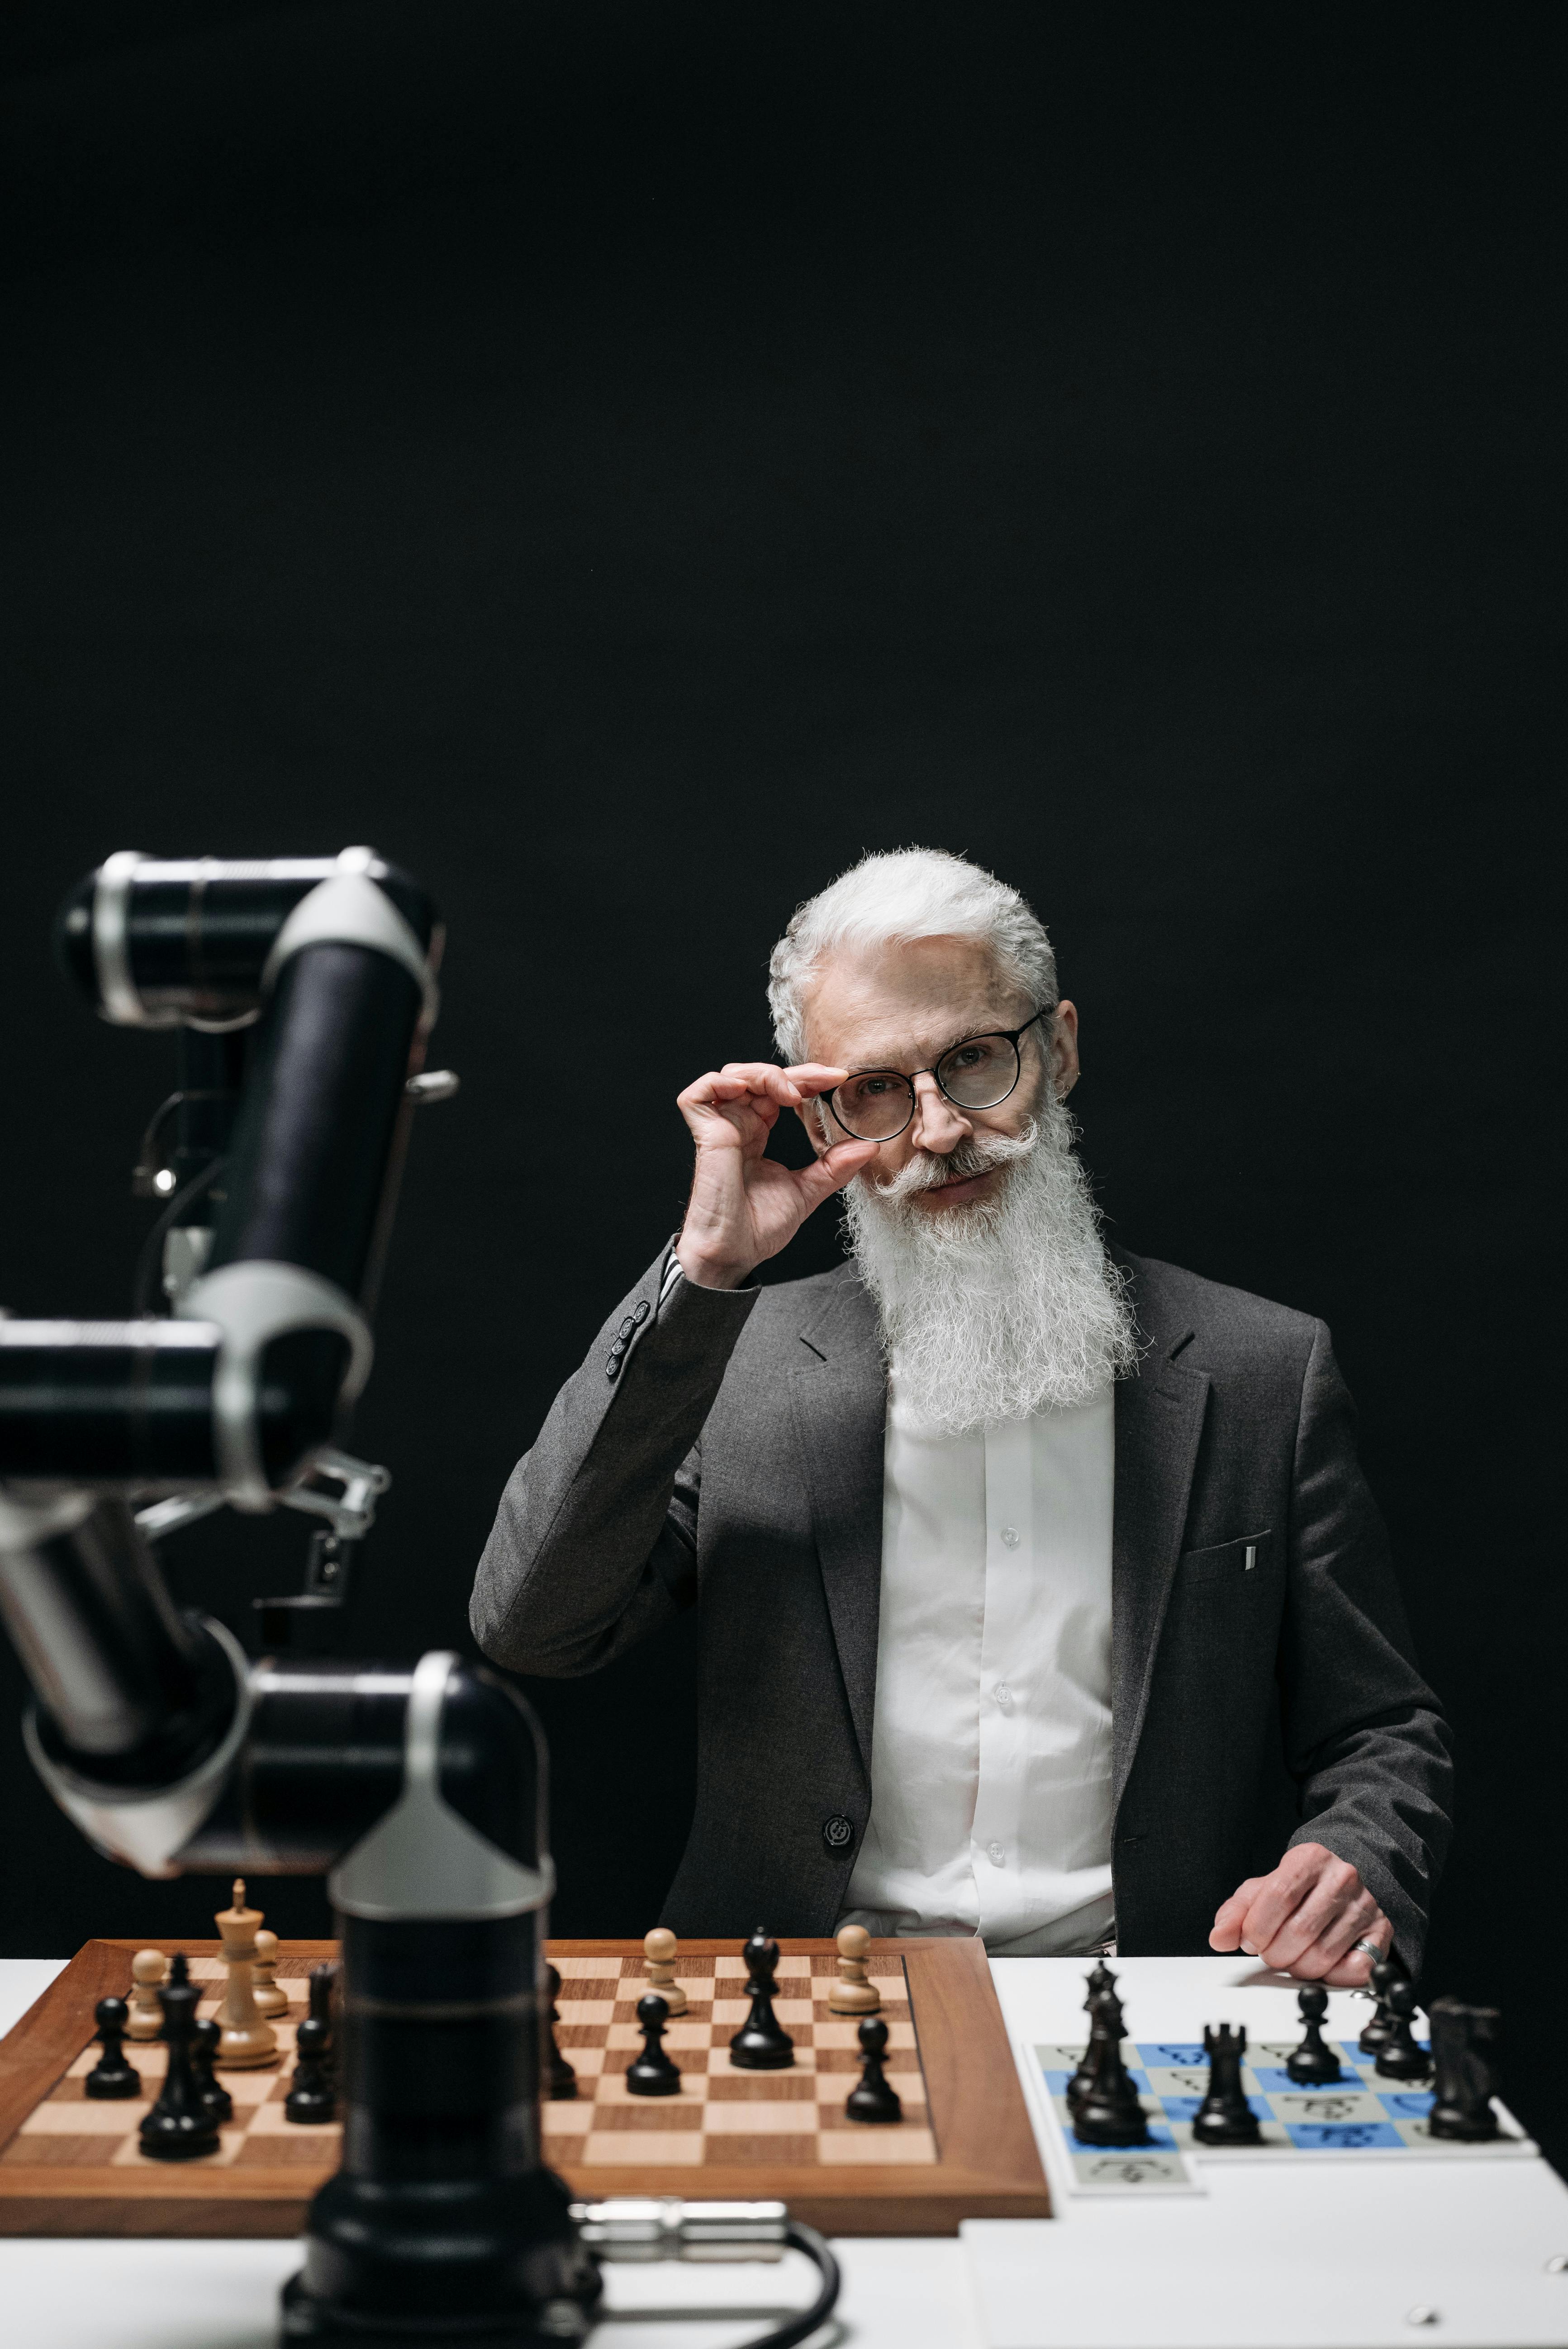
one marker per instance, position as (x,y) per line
(624,461)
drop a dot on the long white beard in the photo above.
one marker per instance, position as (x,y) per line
(994,1311)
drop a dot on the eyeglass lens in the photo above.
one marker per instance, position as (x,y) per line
(877,1103)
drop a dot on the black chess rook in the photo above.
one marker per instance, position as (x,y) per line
(761,2043)
(873,2099)
(1225,2116)
(179,2128)
(1464,2051)
(112,2076)
(652,2073)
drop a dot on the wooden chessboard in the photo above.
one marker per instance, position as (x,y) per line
(963,2149)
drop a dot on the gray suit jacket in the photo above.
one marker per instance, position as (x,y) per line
(726,1452)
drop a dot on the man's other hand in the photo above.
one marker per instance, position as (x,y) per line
(1304,1918)
(744,1207)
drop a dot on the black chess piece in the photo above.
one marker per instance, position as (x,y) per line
(1376,2029)
(559,2076)
(1096,1984)
(179,2128)
(873,2097)
(761,2043)
(652,2073)
(1107,2111)
(322,1995)
(112,2076)
(1313,2064)
(1400,2058)
(1464,2048)
(1225,2116)
(313,2092)
(204,2038)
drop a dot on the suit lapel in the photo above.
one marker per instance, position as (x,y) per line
(839,1398)
(1159,1423)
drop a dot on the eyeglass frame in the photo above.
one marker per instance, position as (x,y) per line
(908,1076)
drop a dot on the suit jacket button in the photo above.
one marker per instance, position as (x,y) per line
(640,1315)
(613,1366)
(626,1327)
(838,1833)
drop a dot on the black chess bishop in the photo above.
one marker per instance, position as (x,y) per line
(1313,2064)
(179,2127)
(559,2075)
(1097,1984)
(873,2097)
(1225,2116)
(1107,2110)
(1464,2049)
(652,2073)
(761,2043)
(112,2076)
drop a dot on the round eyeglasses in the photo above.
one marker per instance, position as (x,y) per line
(876,1105)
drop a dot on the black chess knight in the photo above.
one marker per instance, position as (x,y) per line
(1108,2110)
(761,2043)
(1225,2116)
(179,2127)
(1464,2049)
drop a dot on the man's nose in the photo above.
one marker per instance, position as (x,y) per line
(938,1126)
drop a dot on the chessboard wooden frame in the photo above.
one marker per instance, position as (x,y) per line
(987,2166)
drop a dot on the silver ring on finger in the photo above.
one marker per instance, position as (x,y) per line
(1371,1949)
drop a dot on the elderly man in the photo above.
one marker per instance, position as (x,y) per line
(1040,1592)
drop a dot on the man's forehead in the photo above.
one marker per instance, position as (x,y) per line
(872,1005)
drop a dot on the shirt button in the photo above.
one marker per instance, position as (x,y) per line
(1005,1699)
(995,1855)
(1011,1536)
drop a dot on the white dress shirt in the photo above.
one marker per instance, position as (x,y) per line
(991,1754)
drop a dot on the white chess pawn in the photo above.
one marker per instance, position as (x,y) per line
(853,1993)
(149,1970)
(659,1949)
(270,1999)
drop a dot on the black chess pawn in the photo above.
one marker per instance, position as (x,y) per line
(1464,2049)
(1225,2116)
(322,1997)
(873,2097)
(204,2039)
(559,2076)
(1375,2030)
(1108,2110)
(1400,2058)
(1099,1984)
(179,2128)
(112,2076)
(1313,2064)
(312,2094)
(761,2043)
(652,2073)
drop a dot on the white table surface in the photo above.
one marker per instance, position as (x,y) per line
(1306,2256)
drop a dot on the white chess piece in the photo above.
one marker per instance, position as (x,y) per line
(659,1949)
(853,1993)
(247,2039)
(271,1999)
(149,1970)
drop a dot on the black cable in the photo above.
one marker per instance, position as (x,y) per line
(147,1263)
(801,2327)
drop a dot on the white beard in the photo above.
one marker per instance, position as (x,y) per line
(1002,1308)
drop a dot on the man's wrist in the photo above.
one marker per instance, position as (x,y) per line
(705,1271)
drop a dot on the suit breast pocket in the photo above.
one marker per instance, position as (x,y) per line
(1245,1563)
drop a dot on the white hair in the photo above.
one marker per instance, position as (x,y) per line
(896,895)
